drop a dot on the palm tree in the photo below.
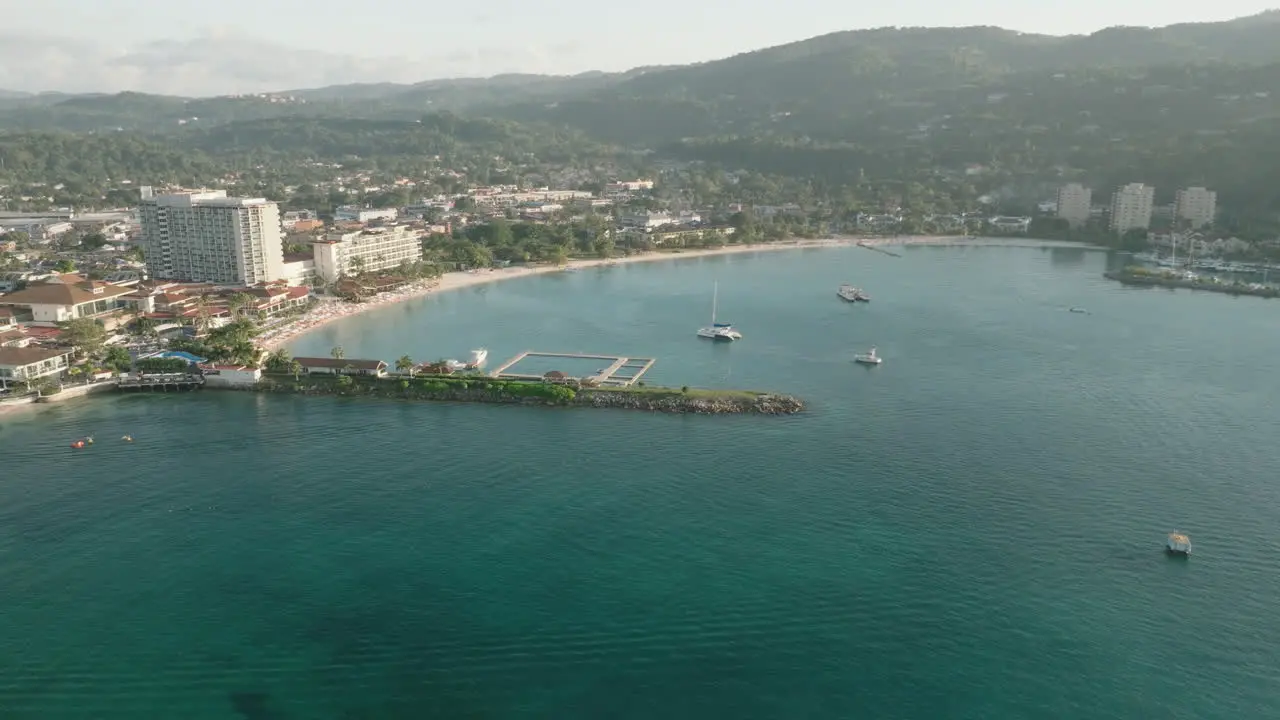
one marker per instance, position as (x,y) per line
(295,369)
(405,364)
(202,312)
(278,360)
(337,353)
(236,303)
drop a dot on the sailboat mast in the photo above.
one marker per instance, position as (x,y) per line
(715,295)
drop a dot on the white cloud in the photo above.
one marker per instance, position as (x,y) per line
(220,62)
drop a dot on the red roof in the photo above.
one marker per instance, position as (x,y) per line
(42,333)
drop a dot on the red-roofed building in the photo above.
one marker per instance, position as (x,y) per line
(14,338)
(275,300)
(56,301)
(344,366)
(24,364)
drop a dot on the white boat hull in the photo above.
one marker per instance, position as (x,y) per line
(719,335)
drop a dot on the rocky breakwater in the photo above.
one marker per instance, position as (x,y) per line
(475,389)
(698,402)
(1166,279)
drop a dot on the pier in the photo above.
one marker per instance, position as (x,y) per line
(167,382)
(865,246)
(621,371)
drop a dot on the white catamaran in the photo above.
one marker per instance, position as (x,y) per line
(720,332)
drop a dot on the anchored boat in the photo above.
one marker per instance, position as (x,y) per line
(868,358)
(849,293)
(1178,544)
(720,332)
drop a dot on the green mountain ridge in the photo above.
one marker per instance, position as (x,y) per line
(862,65)
(933,118)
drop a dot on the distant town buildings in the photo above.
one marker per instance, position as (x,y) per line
(209,237)
(367,250)
(301,221)
(628,186)
(1006,223)
(349,213)
(1075,201)
(1131,207)
(650,220)
(499,197)
(1196,205)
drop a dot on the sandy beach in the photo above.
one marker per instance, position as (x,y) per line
(329,310)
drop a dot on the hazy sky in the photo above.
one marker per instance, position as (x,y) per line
(224,46)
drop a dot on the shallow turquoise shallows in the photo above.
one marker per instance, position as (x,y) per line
(973,529)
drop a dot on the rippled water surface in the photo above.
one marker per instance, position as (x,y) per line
(971,530)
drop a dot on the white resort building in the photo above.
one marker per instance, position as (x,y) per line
(209,237)
(368,250)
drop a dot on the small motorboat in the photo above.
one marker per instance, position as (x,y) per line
(849,293)
(868,358)
(127,438)
(1079,310)
(1178,544)
(78,445)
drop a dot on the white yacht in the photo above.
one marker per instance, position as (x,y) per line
(868,358)
(474,362)
(720,332)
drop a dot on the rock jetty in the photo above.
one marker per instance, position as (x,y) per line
(505,392)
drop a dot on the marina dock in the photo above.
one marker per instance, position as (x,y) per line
(621,371)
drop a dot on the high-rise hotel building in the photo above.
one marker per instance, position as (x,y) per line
(1131,207)
(209,237)
(1196,205)
(1075,204)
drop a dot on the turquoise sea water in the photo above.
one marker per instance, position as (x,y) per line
(971,530)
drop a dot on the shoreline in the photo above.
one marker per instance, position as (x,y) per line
(329,311)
